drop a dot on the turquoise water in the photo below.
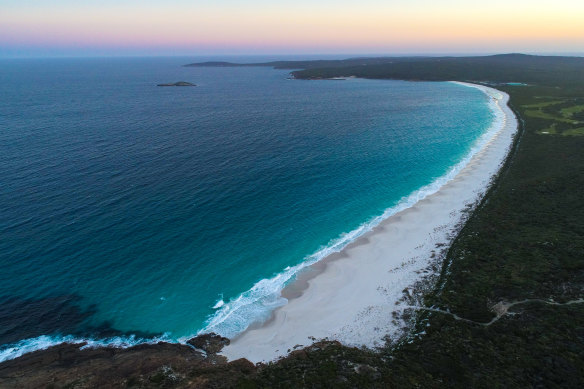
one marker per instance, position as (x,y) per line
(130,209)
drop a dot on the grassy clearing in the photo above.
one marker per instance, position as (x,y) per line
(544,104)
(574,132)
(544,115)
(562,115)
(569,112)
(569,132)
(551,130)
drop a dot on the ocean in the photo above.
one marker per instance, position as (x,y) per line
(132,213)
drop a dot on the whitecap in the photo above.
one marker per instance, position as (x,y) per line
(219,304)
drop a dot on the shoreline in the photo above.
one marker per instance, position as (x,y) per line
(305,284)
(352,295)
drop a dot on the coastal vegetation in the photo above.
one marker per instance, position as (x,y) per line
(506,310)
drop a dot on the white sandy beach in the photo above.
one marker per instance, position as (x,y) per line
(350,296)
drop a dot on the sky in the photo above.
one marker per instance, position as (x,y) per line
(256,27)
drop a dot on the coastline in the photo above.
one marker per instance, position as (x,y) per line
(293,290)
(514,257)
(351,296)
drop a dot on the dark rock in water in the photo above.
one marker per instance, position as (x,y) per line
(210,343)
(180,83)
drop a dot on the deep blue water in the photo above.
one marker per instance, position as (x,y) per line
(128,208)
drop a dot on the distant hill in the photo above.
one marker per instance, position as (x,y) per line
(501,68)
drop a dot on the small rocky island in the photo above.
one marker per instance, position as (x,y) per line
(180,83)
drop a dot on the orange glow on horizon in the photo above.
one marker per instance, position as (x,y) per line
(342,27)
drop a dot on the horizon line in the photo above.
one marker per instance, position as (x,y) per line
(308,54)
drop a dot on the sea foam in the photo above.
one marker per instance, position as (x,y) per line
(43,342)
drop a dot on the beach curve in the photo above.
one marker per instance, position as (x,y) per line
(350,296)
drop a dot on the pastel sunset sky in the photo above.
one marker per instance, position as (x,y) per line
(203,27)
